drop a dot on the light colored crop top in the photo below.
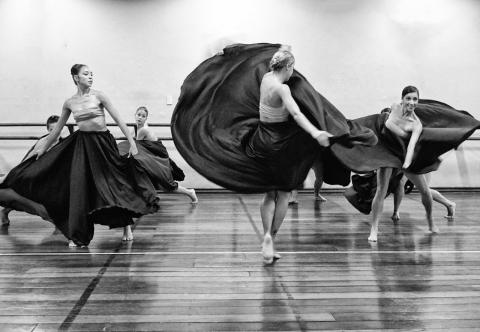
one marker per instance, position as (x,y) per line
(273,114)
(88,108)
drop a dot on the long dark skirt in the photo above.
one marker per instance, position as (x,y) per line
(153,157)
(444,128)
(362,191)
(286,150)
(216,127)
(84,181)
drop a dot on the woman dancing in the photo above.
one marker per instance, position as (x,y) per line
(411,137)
(51,123)
(83,180)
(153,157)
(276,105)
(249,122)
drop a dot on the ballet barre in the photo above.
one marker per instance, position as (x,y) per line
(70,127)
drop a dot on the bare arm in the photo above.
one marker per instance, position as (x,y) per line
(395,113)
(53,136)
(292,107)
(394,128)
(118,120)
(417,130)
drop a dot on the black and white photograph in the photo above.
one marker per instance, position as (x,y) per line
(227,165)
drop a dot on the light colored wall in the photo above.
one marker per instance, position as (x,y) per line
(358,53)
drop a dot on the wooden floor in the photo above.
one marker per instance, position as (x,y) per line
(199,269)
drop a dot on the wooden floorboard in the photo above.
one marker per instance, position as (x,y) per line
(199,268)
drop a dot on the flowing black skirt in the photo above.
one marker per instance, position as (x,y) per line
(216,127)
(84,181)
(444,128)
(153,157)
(362,191)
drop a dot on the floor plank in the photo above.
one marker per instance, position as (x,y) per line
(199,268)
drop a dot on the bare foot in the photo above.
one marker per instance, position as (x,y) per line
(451,211)
(320,198)
(72,244)
(41,211)
(193,196)
(373,235)
(395,217)
(4,216)
(267,249)
(292,199)
(434,229)
(127,233)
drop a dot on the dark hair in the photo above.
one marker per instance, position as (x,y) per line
(75,70)
(282,58)
(142,108)
(409,89)
(52,119)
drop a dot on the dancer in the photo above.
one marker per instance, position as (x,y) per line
(83,180)
(9,197)
(51,123)
(276,104)
(153,157)
(411,137)
(249,122)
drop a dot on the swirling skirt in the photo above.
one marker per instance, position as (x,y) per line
(84,181)
(153,157)
(444,128)
(216,127)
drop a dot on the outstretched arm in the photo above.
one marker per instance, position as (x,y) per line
(319,135)
(53,136)
(118,120)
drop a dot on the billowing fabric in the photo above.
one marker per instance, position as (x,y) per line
(84,181)
(153,158)
(216,126)
(444,128)
(362,191)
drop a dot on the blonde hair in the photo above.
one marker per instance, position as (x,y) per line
(282,58)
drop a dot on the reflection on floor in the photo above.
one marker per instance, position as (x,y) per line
(199,269)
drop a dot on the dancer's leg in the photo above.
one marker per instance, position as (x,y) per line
(8,197)
(127,233)
(4,216)
(318,170)
(420,182)
(292,197)
(397,199)
(383,177)
(267,212)
(281,206)
(438,197)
